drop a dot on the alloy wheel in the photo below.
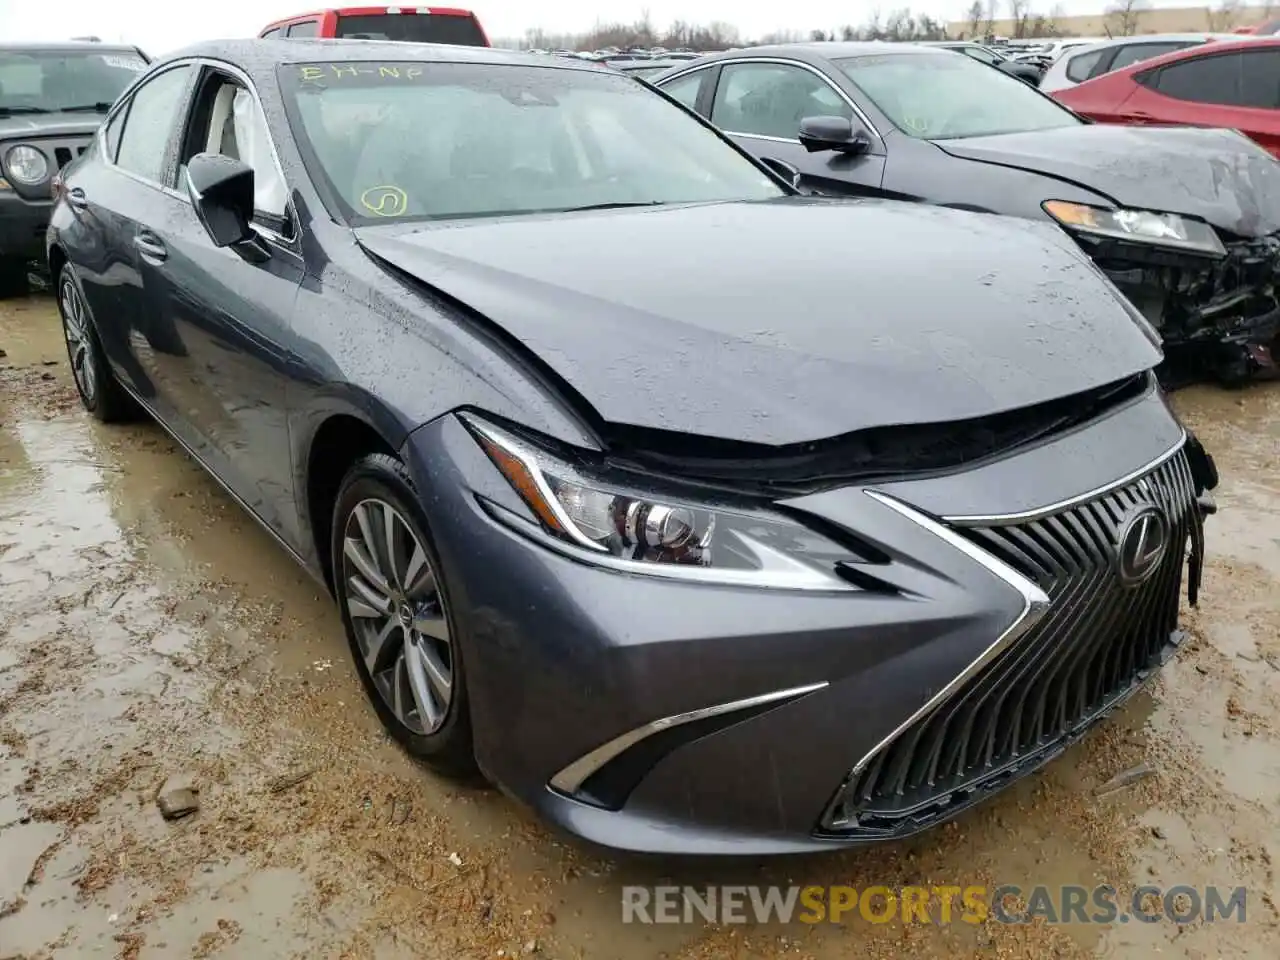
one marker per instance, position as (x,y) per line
(398,615)
(79,343)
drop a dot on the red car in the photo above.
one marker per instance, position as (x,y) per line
(1234,84)
(413,24)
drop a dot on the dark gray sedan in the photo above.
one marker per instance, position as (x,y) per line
(1185,221)
(693,512)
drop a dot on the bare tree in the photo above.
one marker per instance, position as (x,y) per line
(992,10)
(1019,10)
(1124,16)
(1224,17)
(974,16)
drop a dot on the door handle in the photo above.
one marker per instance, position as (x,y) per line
(149,245)
(76,199)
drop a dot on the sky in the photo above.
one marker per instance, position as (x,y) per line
(159,26)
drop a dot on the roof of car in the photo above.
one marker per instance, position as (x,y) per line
(263,54)
(657,63)
(1151,38)
(824,49)
(62,46)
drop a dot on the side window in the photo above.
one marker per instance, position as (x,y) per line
(270,34)
(307,28)
(686,88)
(153,114)
(1133,53)
(1080,67)
(1245,79)
(770,99)
(112,133)
(229,121)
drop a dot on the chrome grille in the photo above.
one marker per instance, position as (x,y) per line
(1097,642)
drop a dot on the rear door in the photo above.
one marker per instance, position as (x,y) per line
(1238,89)
(760,103)
(123,198)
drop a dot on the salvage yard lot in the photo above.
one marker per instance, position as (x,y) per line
(148,629)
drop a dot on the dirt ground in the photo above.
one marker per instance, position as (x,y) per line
(148,628)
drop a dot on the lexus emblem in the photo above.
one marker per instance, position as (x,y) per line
(1144,538)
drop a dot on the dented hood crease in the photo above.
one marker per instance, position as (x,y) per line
(786,321)
(1216,175)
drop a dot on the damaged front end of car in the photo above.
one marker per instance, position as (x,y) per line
(1211,296)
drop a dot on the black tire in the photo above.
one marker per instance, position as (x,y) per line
(13,277)
(448,749)
(100,393)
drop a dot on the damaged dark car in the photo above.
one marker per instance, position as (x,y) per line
(689,546)
(1185,221)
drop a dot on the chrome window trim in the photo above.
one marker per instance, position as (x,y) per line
(1034,604)
(1042,512)
(122,106)
(277,239)
(729,61)
(570,779)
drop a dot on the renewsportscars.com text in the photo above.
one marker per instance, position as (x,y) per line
(1006,903)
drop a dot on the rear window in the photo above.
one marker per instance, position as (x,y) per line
(413,28)
(1080,67)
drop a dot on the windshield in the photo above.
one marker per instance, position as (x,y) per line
(413,28)
(37,81)
(446,140)
(939,96)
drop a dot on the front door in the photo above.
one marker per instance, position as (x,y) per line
(232,316)
(760,105)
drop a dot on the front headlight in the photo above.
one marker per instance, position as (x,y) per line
(1144,226)
(26,164)
(627,530)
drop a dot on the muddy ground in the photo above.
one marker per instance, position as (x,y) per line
(148,628)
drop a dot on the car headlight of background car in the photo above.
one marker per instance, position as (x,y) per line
(1142,226)
(26,165)
(634,531)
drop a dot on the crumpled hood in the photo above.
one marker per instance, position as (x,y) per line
(49,125)
(1217,175)
(786,321)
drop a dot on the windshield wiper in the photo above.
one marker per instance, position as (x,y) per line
(11,111)
(616,205)
(102,106)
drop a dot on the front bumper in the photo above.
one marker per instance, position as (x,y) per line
(22,226)
(1219,319)
(756,721)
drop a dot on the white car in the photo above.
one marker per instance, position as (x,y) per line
(1077,64)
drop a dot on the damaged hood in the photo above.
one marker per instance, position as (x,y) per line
(35,125)
(785,321)
(1216,175)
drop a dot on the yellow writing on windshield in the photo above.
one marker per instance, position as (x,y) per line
(385,201)
(316,72)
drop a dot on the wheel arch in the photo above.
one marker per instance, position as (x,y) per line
(338,441)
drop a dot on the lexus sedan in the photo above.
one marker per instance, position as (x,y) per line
(672,500)
(1186,222)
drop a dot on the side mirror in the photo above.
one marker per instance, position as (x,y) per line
(783,169)
(221,191)
(832,133)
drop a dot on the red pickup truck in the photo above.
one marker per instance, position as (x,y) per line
(413,24)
